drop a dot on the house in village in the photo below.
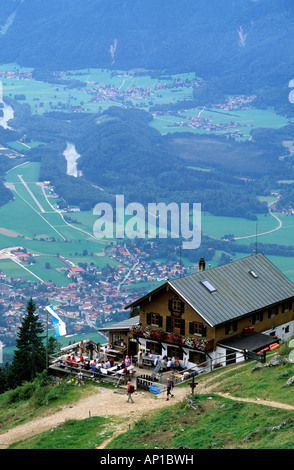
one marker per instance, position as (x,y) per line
(214,313)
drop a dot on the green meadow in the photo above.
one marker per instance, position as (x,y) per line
(46,234)
(140,90)
(246,120)
(36,226)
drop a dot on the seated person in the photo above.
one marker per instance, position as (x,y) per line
(163,364)
(74,362)
(185,376)
(82,360)
(126,374)
(94,368)
(93,365)
(111,362)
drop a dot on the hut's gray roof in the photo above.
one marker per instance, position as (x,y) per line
(238,288)
(123,325)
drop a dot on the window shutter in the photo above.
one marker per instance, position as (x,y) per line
(160,321)
(182,307)
(204,330)
(170,305)
(168,324)
(183,327)
(191,328)
(148,318)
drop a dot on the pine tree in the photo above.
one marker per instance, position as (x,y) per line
(30,354)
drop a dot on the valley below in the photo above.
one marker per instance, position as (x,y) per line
(56,166)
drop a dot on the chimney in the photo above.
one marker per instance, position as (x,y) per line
(201,265)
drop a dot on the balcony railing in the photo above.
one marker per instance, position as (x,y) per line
(199,344)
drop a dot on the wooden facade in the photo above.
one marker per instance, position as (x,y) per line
(171,324)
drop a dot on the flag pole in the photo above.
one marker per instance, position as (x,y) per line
(47,362)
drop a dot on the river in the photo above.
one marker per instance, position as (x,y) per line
(8,114)
(72,156)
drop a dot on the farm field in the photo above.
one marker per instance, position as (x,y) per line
(34,225)
(218,226)
(240,121)
(31,222)
(101,88)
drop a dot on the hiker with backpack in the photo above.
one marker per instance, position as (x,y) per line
(130,391)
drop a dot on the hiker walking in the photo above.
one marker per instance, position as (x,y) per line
(169,389)
(130,391)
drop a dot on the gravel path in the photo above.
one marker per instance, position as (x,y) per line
(109,402)
(104,402)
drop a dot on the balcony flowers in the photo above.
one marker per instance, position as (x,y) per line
(160,335)
(141,330)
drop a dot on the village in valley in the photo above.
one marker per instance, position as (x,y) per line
(92,297)
(133,89)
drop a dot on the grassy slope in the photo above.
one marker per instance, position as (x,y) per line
(216,422)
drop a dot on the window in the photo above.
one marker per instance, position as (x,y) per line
(177,353)
(253,274)
(176,325)
(257,317)
(154,319)
(286,306)
(177,305)
(196,357)
(117,340)
(154,348)
(231,327)
(197,328)
(208,285)
(273,311)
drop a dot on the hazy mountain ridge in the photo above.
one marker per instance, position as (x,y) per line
(249,43)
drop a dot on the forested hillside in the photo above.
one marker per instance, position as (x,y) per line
(235,47)
(244,45)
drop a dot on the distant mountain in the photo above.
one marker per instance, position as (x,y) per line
(247,44)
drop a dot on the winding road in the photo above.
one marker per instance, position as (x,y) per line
(280,224)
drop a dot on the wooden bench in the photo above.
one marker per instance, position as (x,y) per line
(148,364)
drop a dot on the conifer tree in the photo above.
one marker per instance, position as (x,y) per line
(30,354)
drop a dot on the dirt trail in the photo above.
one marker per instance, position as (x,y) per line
(205,387)
(103,403)
(106,402)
